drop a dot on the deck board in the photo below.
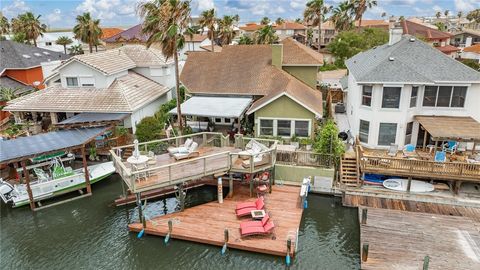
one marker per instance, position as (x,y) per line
(206,223)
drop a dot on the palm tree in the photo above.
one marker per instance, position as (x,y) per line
(209,21)
(341,16)
(384,14)
(245,40)
(359,7)
(265,35)
(4,25)
(75,49)
(314,13)
(87,30)
(29,24)
(166,22)
(446,12)
(265,21)
(402,18)
(226,31)
(64,41)
(7,93)
(309,36)
(298,20)
(279,21)
(438,14)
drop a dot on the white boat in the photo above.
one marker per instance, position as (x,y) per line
(62,180)
(416,186)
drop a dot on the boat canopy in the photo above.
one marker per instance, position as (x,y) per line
(33,146)
(227,107)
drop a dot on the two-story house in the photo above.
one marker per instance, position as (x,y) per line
(130,80)
(391,87)
(295,30)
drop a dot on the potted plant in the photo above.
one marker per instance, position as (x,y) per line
(308,143)
(294,141)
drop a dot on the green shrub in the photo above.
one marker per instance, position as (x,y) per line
(150,128)
(471,63)
(327,141)
(327,67)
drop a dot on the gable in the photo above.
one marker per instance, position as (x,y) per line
(284,107)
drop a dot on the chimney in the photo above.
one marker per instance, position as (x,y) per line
(468,41)
(395,36)
(277,55)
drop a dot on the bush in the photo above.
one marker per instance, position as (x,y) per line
(150,128)
(471,63)
(327,141)
(327,67)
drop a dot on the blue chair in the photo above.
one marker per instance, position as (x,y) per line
(450,147)
(440,156)
(409,148)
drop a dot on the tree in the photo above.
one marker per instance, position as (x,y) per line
(341,16)
(30,25)
(402,18)
(7,93)
(4,25)
(359,7)
(309,36)
(279,21)
(226,29)
(265,35)
(440,26)
(209,21)
(327,141)
(459,15)
(474,15)
(149,129)
(438,14)
(446,13)
(20,37)
(64,41)
(87,30)
(471,63)
(298,20)
(75,49)
(265,21)
(245,40)
(384,14)
(166,22)
(314,13)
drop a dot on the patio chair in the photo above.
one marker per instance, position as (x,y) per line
(450,147)
(392,151)
(255,223)
(440,156)
(264,230)
(182,148)
(152,159)
(409,148)
(190,153)
(247,210)
(249,204)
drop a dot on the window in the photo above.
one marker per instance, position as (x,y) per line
(408,133)
(458,97)
(444,96)
(430,96)
(391,97)
(367,95)
(218,120)
(284,128)
(387,133)
(72,81)
(227,120)
(413,97)
(301,128)
(363,131)
(266,127)
(48,43)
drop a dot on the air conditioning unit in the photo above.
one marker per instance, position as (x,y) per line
(340,108)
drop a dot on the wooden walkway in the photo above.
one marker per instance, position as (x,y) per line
(206,223)
(401,240)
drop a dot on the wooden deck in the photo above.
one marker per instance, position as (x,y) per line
(402,239)
(206,223)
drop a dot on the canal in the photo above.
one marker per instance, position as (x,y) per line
(91,233)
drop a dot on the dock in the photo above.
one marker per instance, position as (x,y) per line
(206,223)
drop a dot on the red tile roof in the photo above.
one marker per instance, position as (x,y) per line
(475,48)
(373,23)
(447,49)
(251,27)
(110,31)
(290,26)
(416,29)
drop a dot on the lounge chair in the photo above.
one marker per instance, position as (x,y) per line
(263,230)
(255,223)
(190,153)
(392,151)
(254,204)
(450,147)
(248,210)
(440,156)
(182,148)
(409,148)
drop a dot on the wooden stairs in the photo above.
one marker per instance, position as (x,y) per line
(348,170)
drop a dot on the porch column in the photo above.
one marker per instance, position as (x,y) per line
(425,139)
(85,168)
(29,189)
(54,118)
(17,117)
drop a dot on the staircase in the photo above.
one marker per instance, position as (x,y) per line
(348,170)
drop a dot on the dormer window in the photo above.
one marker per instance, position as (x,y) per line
(72,81)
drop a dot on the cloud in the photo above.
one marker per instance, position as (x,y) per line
(298,4)
(55,16)
(15,8)
(106,10)
(205,4)
(466,5)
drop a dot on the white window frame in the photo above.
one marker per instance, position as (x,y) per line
(451,96)
(363,133)
(72,77)
(362,95)
(292,126)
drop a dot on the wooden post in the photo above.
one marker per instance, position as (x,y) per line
(85,168)
(230,185)
(140,210)
(182,197)
(364,216)
(29,189)
(426,262)
(54,118)
(251,184)
(474,145)
(409,185)
(364,252)
(425,139)
(456,187)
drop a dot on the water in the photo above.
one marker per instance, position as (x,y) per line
(91,233)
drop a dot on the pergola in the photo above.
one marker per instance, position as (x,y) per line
(450,128)
(21,149)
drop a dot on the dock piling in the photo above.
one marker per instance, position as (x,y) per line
(289,246)
(426,262)
(170,228)
(364,252)
(225,235)
(364,216)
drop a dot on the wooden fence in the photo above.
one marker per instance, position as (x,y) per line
(305,158)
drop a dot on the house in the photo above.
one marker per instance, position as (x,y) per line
(382,24)
(271,87)
(47,41)
(130,80)
(466,38)
(471,52)
(434,37)
(249,28)
(295,30)
(395,88)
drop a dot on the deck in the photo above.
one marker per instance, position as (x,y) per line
(206,223)
(402,239)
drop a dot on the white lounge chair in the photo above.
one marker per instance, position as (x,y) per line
(189,153)
(182,148)
(393,150)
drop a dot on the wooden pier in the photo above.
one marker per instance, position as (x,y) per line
(206,223)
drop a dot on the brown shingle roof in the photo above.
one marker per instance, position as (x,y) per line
(290,26)
(416,29)
(373,23)
(196,38)
(251,27)
(295,53)
(126,94)
(216,48)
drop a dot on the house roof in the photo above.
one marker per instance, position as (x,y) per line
(373,23)
(251,27)
(125,95)
(475,49)
(216,48)
(416,29)
(448,49)
(295,53)
(195,38)
(290,26)
(451,127)
(11,83)
(15,55)
(408,61)
(470,32)
(132,33)
(110,31)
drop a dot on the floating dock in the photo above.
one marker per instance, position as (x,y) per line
(206,223)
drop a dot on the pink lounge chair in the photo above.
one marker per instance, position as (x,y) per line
(255,223)
(264,230)
(247,210)
(249,204)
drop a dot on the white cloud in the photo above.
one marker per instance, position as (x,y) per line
(205,4)
(15,8)
(55,16)
(108,9)
(466,5)
(298,4)
(437,8)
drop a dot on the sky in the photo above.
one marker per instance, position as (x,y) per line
(62,13)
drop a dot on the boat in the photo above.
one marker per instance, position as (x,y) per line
(416,186)
(61,180)
(374,179)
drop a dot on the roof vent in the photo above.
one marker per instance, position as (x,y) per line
(26,55)
(136,85)
(46,53)
(391,58)
(37,54)
(412,39)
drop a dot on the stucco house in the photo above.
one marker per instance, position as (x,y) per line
(271,86)
(394,88)
(471,52)
(295,30)
(130,80)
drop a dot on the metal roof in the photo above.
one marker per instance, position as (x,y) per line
(228,107)
(94,118)
(28,147)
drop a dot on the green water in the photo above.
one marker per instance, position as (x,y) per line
(91,233)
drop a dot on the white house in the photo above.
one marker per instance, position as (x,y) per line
(131,80)
(391,85)
(47,41)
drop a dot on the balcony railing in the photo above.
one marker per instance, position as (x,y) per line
(305,158)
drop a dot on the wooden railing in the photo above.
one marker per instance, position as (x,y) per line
(420,168)
(305,158)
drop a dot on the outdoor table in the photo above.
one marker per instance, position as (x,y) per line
(258,214)
(141,159)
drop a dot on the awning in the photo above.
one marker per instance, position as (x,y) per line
(443,128)
(28,147)
(227,107)
(94,118)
